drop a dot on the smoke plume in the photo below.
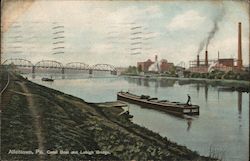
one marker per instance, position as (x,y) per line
(216,19)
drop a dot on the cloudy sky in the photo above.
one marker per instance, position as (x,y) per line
(124,32)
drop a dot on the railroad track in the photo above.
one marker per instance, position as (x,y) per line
(4,85)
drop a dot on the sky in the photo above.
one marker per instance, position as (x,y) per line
(123,33)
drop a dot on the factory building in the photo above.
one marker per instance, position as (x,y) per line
(229,62)
(223,64)
(165,65)
(144,66)
(155,66)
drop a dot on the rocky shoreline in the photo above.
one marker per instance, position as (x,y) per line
(50,125)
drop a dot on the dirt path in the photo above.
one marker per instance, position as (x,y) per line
(37,119)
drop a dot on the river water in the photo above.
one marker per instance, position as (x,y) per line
(221,129)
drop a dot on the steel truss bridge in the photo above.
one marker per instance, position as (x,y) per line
(51,64)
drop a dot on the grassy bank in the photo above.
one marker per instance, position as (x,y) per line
(70,124)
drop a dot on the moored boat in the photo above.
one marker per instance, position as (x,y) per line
(48,79)
(162,105)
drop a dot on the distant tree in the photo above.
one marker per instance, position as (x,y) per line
(139,68)
(204,75)
(132,70)
(186,74)
(219,74)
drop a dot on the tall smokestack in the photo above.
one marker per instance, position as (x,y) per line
(206,58)
(156,58)
(198,60)
(239,61)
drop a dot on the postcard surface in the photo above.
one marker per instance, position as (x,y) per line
(125,80)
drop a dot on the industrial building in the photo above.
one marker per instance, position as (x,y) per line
(155,66)
(223,64)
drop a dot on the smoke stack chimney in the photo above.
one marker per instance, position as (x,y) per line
(198,60)
(206,59)
(239,61)
(155,58)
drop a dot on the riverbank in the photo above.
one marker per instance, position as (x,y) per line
(243,86)
(63,127)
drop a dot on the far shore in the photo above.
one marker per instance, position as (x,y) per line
(217,82)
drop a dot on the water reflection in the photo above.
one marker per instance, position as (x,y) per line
(198,87)
(148,82)
(167,83)
(218,95)
(239,103)
(206,92)
(139,82)
(240,106)
(156,86)
(189,123)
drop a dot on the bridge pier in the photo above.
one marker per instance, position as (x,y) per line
(90,71)
(33,69)
(63,70)
(113,72)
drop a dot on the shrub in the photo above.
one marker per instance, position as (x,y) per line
(186,74)
(204,75)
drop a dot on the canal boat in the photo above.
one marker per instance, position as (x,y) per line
(162,105)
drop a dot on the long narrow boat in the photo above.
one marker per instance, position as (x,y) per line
(154,103)
(48,79)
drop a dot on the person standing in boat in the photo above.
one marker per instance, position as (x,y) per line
(189,100)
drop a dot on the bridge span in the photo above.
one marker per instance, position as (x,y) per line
(55,65)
